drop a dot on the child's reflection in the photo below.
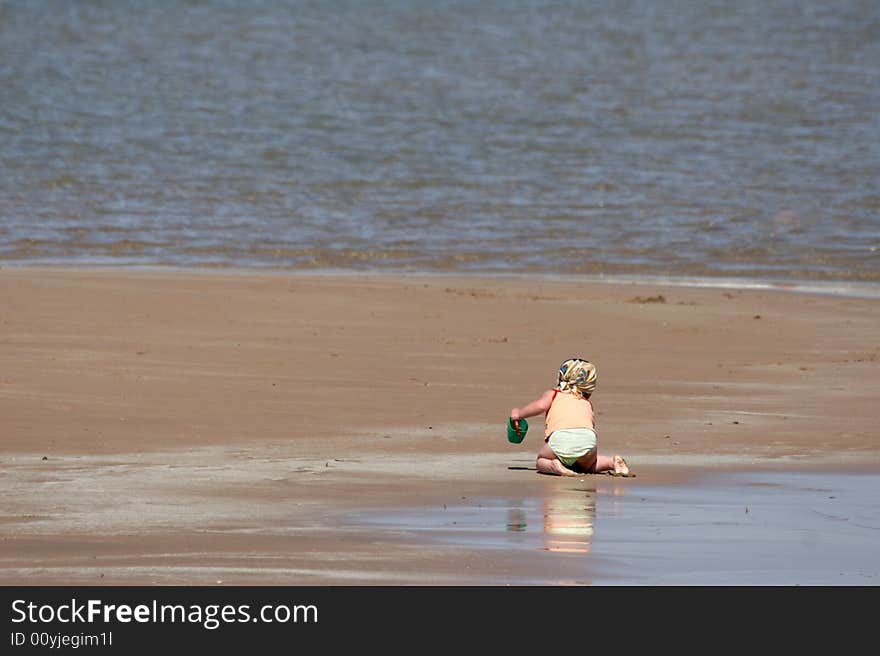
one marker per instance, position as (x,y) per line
(568,517)
(568,520)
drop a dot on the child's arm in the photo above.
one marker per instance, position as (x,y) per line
(536,407)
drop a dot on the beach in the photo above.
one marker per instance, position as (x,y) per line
(273,275)
(171,426)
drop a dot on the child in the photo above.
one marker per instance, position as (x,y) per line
(570,442)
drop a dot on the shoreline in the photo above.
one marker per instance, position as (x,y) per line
(843,287)
(165,427)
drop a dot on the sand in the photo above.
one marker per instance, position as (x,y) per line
(204,427)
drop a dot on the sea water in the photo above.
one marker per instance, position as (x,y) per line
(661,139)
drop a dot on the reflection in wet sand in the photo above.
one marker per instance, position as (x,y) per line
(516,519)
(775,527)
(568,520)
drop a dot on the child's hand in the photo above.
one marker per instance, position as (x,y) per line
(514,414)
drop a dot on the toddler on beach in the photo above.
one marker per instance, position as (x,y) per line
(570,441)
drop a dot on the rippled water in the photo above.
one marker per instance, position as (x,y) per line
(640,137)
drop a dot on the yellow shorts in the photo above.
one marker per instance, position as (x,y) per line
(569,444)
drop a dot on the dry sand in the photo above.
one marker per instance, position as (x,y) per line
(176,427)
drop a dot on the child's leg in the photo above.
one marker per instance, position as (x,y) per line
(603,463)
(548,463)
(593,462)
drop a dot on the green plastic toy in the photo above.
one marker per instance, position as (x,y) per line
(516,430)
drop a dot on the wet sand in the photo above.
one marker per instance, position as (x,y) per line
(171,427)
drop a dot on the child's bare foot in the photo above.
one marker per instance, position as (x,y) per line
(620,466)
(560,469)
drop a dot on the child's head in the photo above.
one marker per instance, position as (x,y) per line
(578,376)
